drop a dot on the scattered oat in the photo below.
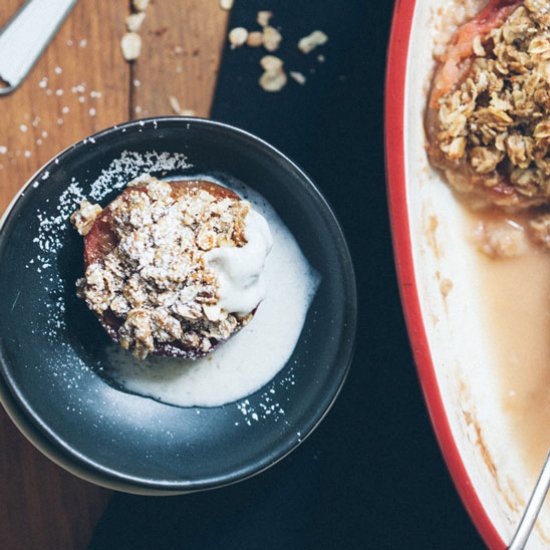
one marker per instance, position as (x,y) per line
(3,149)
(140,5)
(263,18)
(274,78)
(59,121)
(226,4)
(237,37)
(255,39)
(65,110)
(59,92)
(298,77)
(175,104)
(35,122)
(176,107)
(27,154)
(81,99)
(83,43)
(321,58)
(95,95)
(137,83)
(92,112)
(271,63)
(44,134)
(23,128)
(273,82)
(43,82)
(310,42)
(138,109)
(131,46)
(134,21)
(58,70)
(271,39)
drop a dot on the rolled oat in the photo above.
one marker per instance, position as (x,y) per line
(131,46)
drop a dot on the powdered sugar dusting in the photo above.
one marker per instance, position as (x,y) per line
(268,407)
(132,164)
(123,169)
(49,239)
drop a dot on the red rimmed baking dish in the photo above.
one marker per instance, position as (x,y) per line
(443,290)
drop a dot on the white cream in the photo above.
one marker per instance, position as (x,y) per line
(253,356)
(240,270)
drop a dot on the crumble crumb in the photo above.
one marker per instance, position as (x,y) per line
(271,38)
(131,46)
(255,39)
(274,78)
(83,219)
(140,5)
(226,5)
(298,77)
(311,41)
(237,37)
(134,21)
(263,18)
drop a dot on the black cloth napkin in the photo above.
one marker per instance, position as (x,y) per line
(371,476)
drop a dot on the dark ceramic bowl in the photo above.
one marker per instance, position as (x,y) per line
(52,349)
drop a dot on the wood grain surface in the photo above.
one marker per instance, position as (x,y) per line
(182,44)
(80,85)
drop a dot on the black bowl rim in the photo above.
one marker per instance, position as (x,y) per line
(108,476)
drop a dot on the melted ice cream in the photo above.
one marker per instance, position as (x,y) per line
(240,270)
(252,357)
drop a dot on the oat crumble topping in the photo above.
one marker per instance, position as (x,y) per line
(498,119)
(155,280)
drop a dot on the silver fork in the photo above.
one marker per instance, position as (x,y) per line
(532,510)
(25,37)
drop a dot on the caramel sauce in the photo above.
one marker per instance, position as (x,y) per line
(516,295)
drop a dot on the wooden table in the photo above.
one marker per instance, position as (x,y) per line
(81,85)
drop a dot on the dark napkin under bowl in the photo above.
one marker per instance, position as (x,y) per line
(52,347)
